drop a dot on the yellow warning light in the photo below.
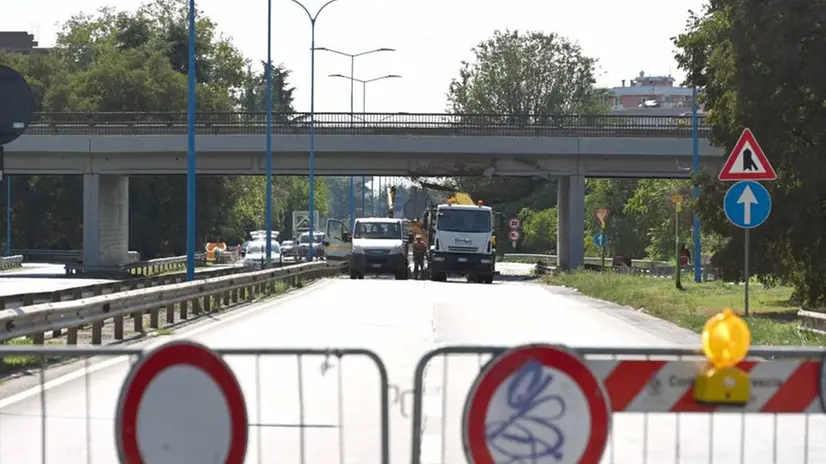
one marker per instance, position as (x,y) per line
(726,340)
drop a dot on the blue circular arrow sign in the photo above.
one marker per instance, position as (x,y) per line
(747,204)
(600,239)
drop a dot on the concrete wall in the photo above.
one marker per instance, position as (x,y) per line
(105,220)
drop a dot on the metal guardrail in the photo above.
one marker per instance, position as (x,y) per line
(10,262)
(642,267)
(430,124)
(87,291)
(58,256)
(201,295)
(137,268)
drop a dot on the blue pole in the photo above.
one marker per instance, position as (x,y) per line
(8,216)
(312,137)
(695,166)
(268,72)
(352,203)
(190,155)
(363,198)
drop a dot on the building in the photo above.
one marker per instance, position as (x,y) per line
(19,42)
(650,95)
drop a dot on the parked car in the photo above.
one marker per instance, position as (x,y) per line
(288,249)
(257,253)
(303,250)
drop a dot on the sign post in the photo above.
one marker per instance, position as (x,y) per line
(536,403)
(601,215)
(678,206)
(747,203)
(185,394)
(514,224)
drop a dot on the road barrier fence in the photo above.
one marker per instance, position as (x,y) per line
(324,396)
(641,267)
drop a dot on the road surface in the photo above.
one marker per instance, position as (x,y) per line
(400,321)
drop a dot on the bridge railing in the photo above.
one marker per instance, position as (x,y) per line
(641,267)
(58,256)
(10,262)
(216,123)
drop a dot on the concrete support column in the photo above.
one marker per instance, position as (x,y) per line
(105,220)
(571,222)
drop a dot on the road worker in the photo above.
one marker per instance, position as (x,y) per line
(419,251)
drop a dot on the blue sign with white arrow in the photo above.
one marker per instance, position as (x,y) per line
(600,239)
(747,204)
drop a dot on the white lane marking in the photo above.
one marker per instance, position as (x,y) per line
(81,372)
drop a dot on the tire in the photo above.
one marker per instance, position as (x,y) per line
(402,275)
(353,275)
(488,279)
(361,276)
(438,276)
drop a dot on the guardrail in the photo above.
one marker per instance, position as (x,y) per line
(59,256)
(10,262)
(202,296)
(642,267)
(137,268)
(582,125)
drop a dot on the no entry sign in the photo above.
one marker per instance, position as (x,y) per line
(536,403)
(181,403)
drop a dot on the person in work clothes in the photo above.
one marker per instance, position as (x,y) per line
(419,250)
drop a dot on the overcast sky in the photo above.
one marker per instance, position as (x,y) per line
(431,37)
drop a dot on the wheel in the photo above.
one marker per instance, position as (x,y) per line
(438,276)
(488,279)
(402,275)
(361,276)
(472,279)
(353,275)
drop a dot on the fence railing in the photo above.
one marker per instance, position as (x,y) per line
(58,256)
(137,268)
(595,125)
(202,296)
(641,267)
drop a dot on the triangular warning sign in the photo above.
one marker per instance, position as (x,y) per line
(747,161)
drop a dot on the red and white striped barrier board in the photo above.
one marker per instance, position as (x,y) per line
(786,386)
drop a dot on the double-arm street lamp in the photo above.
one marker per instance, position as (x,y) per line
(353,57)
(363,107)
(312,18)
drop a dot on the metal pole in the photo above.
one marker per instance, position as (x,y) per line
(364,100)
(678,262)
(747,246)
(695,167)
(312,140)
(190,156)
(268,199)
(363,197)
(352,191)
(8,216)
(602,242)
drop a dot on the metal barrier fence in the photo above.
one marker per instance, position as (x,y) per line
(640,267)
(594,125)
(655,418)
(303,406)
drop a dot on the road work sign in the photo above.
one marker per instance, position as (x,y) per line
(536,403)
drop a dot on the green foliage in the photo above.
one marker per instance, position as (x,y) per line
(655,215)
(538,230)
(525,76)
(137,62)
(760,64)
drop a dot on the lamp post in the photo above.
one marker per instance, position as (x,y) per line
(695,168)
(364,85)
(268,190)
(313,19)
(190,152)
(353,57)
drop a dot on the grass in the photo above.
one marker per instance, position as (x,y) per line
(15,362)
(772,315)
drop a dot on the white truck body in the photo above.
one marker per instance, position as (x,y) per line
(461,242)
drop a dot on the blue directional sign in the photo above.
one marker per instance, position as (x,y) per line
(747,204)
(600,239)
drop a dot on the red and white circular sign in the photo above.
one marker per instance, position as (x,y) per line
(181,403)
(514,223)
(536,403)
(514,235)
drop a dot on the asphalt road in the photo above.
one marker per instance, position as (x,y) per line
(400,321)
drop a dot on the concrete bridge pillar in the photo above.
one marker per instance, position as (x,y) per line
(570,236)
(105,220)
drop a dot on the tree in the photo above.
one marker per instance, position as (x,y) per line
(136,62)
(253,96)
(523,77)
(760,64)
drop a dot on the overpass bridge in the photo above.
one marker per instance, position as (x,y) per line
(106,148)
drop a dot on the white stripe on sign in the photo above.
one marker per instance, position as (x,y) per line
(665,388)
(601,368)
(766,378)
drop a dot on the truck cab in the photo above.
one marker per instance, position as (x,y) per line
(462,242)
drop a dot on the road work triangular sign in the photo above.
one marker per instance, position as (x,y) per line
(747,161)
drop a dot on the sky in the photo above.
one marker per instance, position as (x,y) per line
(431,38)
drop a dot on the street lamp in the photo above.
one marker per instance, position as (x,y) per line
(313,19)
(353,57)
(268,190)
(364,85)
(190,151)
